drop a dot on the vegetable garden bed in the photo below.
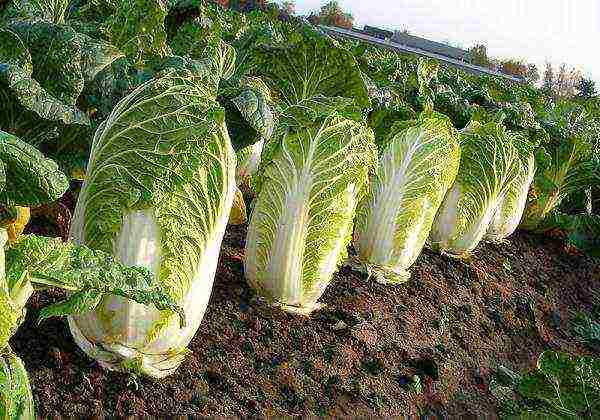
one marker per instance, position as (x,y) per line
(452,325)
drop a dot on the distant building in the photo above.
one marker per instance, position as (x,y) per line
(377,32)
(431,46)
(412,41)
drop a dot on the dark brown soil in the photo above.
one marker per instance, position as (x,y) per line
(451,325)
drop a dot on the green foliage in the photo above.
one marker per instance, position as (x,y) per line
(30,179)
(137,29)
(248,112)
(89,275)
(562,387)
(16,399)
(308,64)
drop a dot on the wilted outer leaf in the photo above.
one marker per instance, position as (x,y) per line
(16,227)
(250,117)
(248,160)
(488,166)
(238,210)
(311,179)
(16,399)
(415,170)
(32,179)
(158,192)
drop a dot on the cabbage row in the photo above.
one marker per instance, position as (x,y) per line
(172,113)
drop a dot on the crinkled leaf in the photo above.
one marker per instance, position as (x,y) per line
(564,386)
(95,55)
(89,274)
(307,111)
(56,57)
(32,179)
(307,65)
(16,399)
(17,76)
(137,29)
(164,147)
(52,11)
(249,116)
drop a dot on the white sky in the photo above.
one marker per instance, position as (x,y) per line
(534,30)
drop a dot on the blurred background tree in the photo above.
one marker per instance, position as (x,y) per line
(331,14)
(587,88)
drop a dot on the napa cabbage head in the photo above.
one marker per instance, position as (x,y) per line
(416,167)
(313,173)
(159,188)
(489,164)
(510,210)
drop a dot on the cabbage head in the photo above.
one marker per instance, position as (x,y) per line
(489,164)
(312,175)
(511,208)
(159,188)
(416,167)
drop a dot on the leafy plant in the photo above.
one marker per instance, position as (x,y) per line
(158,192)
(417,166)
(29,179)
(562,387)
(489,164)
(312,176)
(569,165)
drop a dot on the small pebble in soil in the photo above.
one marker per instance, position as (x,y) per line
(404,381)
(555,319)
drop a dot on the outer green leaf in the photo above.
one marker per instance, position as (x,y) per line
(137,29)
(52,11)
(249,115)
(570,163)
(16,399)
(158,192)
(32,180)
(311,179)
(310,64)
(17,75)
(95,55)
(564,386)
(510,210)
(56,58)
(88,274)
(415,170)
(489,164)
